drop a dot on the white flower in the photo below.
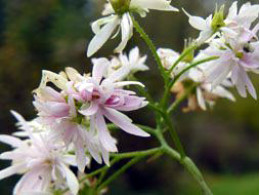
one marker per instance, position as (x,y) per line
(203,25)
(118,19)
(237,57)
(205,94)
(229,26)
(44,163)
(124,65)
(244,17)
(168,58)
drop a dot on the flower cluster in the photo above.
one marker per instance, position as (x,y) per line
(71,125)
(234,43)
(76,112)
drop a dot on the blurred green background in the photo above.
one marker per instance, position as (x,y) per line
(53,34)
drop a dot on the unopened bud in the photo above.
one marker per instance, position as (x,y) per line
(218,19)
(188,43)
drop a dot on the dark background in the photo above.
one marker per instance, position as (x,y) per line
(53,34)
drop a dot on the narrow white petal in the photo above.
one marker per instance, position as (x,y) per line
(71,179)
(126,31)
(10,140)
(14,169)
(163,5)
(200,98)
(125,83)
(99,68)
(197,22)
(102,36)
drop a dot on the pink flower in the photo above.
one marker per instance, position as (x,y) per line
(60,114)
(43,162)
(105,100)
(77,113)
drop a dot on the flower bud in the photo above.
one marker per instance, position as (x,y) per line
(218,19)
(188,43)
(120,6)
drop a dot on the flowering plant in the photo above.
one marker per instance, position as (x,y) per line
(77,114)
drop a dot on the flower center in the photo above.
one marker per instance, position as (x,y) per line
(95,95)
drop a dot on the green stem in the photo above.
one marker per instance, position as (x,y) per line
(137,153)
(174,135)
(192,66)
(128,155)
(94,173)
(181,57)
(120,171)
(152,48)
(170,85)
(192,169)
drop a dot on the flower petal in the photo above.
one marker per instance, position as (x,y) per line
(71,179)
(10,140)
(197,22)
(124,122)
(163,5)
(102,36)
(105,138)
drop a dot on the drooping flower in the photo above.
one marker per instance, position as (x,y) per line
(43,163)
(202,94)
(125,66)
(117,18)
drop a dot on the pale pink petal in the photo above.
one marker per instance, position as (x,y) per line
(91,110)
(124,122)
(105,138)
(71,179)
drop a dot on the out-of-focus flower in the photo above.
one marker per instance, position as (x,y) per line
(202,94)
(125,66)
(44,163)
(229,26)
(236,57)
(243,18)
(117,18)
(168,58)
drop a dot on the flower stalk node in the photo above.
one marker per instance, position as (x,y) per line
(120,6)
